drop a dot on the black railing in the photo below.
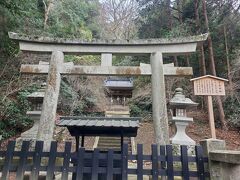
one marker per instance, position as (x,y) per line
(101,165)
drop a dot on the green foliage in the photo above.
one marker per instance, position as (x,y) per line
(141,81)
(87,103)
(6,47)
(72,18)
(75,101)
(13,113)
(141,106)
(83,60)
(66,97)
(182,30)
(232,109)
(66,18)
(152,19)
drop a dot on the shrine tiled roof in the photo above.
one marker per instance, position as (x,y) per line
(100,126)
(131,122)
(119,83)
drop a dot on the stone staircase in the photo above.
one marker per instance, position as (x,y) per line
(117,108)
(105,143)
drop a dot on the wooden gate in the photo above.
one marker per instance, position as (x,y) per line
(98,164)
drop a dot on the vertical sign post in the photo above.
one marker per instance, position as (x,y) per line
(209,86)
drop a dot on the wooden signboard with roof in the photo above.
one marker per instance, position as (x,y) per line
(209,86)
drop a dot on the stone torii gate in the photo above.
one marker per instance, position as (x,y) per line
(155,48)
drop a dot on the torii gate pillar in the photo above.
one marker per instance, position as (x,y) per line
(159,111)
(49,108)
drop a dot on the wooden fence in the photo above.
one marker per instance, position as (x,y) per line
(96,164)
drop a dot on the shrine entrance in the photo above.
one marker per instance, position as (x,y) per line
(154,48)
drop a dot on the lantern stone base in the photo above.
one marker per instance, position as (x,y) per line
(31,134)
(181,138)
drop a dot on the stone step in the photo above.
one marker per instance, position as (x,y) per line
(112,138)
(106,149)
(111,142)
(105,143)
(108,146)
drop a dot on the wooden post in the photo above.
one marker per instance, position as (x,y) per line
(122,141)
(211,117)
(82,141)
(77,143)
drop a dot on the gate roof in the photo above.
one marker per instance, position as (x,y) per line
(100,126)
(96,46)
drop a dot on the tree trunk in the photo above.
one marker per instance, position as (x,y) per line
(188,62)
(175,61)
(47,9)
(228,62)
(201,58)
(169,14)
(210,47)
(180,9)
(213,69)
(202,63)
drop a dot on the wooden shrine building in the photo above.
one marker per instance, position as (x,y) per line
(118,89)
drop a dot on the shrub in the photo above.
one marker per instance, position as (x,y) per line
(232,109)
(141,106)
(13,113)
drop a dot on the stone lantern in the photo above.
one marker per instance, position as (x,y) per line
(36,100)
(179,105)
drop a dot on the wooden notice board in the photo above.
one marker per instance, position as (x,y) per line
(209,86)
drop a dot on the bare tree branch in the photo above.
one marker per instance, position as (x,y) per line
(117,19)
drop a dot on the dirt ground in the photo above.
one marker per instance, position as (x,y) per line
(197,130)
